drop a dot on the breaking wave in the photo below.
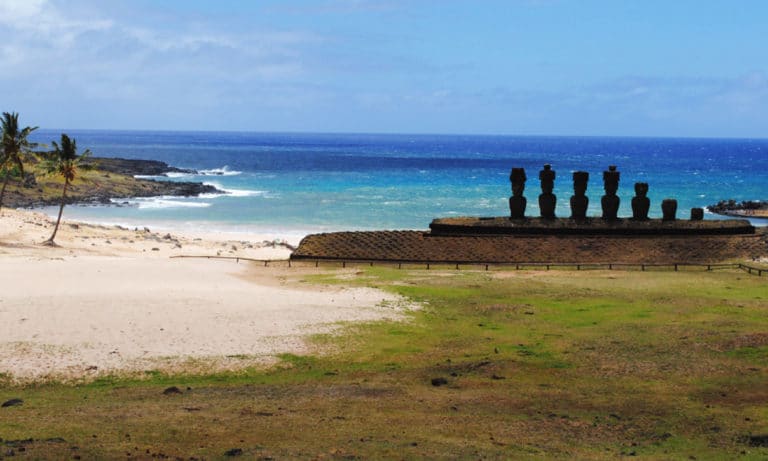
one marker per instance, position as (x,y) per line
(232,192)
(223,171)
(157,203)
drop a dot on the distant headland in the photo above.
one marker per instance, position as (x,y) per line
(109,179)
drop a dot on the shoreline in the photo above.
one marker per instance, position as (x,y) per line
(199,229)
(111,300)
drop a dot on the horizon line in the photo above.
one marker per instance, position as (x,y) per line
(392,133)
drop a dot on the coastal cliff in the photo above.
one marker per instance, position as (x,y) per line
(109,178)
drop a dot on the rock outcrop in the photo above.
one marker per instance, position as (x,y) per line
(109,179)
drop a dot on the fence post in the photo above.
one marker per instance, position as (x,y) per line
(427,266)
(675,267)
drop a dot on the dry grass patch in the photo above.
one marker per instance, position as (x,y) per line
(587,365)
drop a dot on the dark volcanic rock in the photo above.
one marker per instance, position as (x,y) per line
(172,390)
(132,167)
(439,381)
(187,189)
(757,440)
(12,403)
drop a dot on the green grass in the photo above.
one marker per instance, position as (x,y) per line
(580,364)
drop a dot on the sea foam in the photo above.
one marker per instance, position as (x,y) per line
(163,202)
(223,171)
(232,192)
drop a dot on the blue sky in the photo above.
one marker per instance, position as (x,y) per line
(528,67)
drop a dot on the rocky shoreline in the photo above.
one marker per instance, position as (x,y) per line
(743,209)
(133,167)
(110,178)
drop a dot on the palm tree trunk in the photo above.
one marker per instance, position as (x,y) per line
(2,192)
(61,210)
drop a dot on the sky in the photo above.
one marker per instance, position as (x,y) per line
(676,68)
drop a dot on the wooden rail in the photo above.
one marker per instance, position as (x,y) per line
(486,265)
(238,259)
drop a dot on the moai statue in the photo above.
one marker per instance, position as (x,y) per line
(517,202)
(579,199)
(610,201)
(697,214)
(640,202)
(547,199)
(668,209)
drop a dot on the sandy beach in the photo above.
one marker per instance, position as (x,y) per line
(113,300)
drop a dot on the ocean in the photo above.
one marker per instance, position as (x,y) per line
(295,184)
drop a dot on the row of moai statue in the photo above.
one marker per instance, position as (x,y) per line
(641,204)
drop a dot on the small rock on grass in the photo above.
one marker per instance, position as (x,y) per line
(439,381)
(172,390)
(758,440)
(234,452)
(12,403)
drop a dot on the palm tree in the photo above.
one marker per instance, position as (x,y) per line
(13,146)
(65,161)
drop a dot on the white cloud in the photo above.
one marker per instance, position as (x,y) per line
(14,12)
(86,58)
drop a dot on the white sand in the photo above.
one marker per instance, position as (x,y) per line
(106,302)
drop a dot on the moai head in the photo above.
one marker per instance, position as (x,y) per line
(547,177)
(580,181)
(517,177)
(668,209)
(641,189)
(697,214)
(611,180)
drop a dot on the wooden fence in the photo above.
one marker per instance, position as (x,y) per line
(428,265)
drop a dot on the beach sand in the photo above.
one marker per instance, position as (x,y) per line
(111,300)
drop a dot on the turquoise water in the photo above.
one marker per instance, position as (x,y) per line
(302,183)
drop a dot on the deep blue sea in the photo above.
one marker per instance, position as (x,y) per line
(302,183)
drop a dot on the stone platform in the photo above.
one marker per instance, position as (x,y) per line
(589,226)
(417,246)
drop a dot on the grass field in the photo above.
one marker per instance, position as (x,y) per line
(497,364)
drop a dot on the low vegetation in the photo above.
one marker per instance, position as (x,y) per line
(496,364)
(45,189)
